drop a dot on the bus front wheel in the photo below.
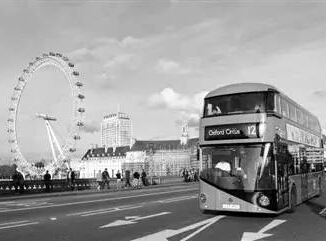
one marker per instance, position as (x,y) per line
(293,199)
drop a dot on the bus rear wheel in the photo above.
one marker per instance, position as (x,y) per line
(293,200)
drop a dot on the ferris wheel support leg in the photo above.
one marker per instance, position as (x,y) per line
(56,142)
(47,124)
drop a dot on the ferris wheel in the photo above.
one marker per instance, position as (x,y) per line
(60,153)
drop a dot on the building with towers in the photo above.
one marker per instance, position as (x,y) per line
(116,130)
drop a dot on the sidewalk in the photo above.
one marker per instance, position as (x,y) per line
(10,197)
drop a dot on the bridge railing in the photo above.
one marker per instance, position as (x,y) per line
(61,185)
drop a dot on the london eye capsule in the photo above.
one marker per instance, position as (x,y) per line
(79,84)
(11,109)
(77,137)
(52,54)
(72,149)
(81,110)
(75,73)
(65,58)
(21,79)
(26,71)
(38,58)
(10,120)
(45,55)
(80,96)
(17,88)
(71,65)
(79,123)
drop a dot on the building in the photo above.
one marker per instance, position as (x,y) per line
(97,159)
(116,130)
(163,157)
(156,157)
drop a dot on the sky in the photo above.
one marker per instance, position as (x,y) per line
(154,60)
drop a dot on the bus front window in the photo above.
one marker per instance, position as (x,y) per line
(247,167)
(237,103)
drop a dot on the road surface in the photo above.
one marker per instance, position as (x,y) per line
(168,213)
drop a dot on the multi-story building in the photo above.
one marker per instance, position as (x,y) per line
(97,159)
(156,157)
(116,130)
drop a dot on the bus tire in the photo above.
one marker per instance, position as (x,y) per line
(293,200)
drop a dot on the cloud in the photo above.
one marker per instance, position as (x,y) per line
(170,99)
(192,118)
(320,94)
(166,66)
(91,126)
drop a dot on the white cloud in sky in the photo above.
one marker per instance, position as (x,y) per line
(189,107)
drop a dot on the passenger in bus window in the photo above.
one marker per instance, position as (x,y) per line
(257,108)
(216,110)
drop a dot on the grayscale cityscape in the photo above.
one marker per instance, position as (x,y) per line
(163,120)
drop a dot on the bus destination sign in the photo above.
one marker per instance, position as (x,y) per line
(232,131)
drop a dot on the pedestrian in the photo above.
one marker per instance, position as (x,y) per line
(72,179)
(135,182)
(143,178)
(127,175)
(105,178)
(118,175)
(99,180)
(15,180)
(47,181)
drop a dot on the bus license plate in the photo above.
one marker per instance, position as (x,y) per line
(231,206)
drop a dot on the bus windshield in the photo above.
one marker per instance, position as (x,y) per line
(242,167)
(254,102)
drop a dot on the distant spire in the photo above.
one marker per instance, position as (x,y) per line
(184,133)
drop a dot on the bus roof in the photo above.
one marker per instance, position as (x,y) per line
(241,88)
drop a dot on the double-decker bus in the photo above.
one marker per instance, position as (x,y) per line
(260,151)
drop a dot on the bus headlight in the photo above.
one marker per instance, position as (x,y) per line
(202,197)
(262,129)
(263,200)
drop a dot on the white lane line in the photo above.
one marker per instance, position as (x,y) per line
(99,210)
(24,221)
(18,225)
(110,211)
(98,200)
(177,199)
(323,212)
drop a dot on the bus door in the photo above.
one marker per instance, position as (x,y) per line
(282,176)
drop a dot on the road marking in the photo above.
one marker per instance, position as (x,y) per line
(125,207)
(250,236)
(168,233)
(98,200)
(323,212)
(17,224)
(177,199)
(132,220)
(111,211)
(24,221)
